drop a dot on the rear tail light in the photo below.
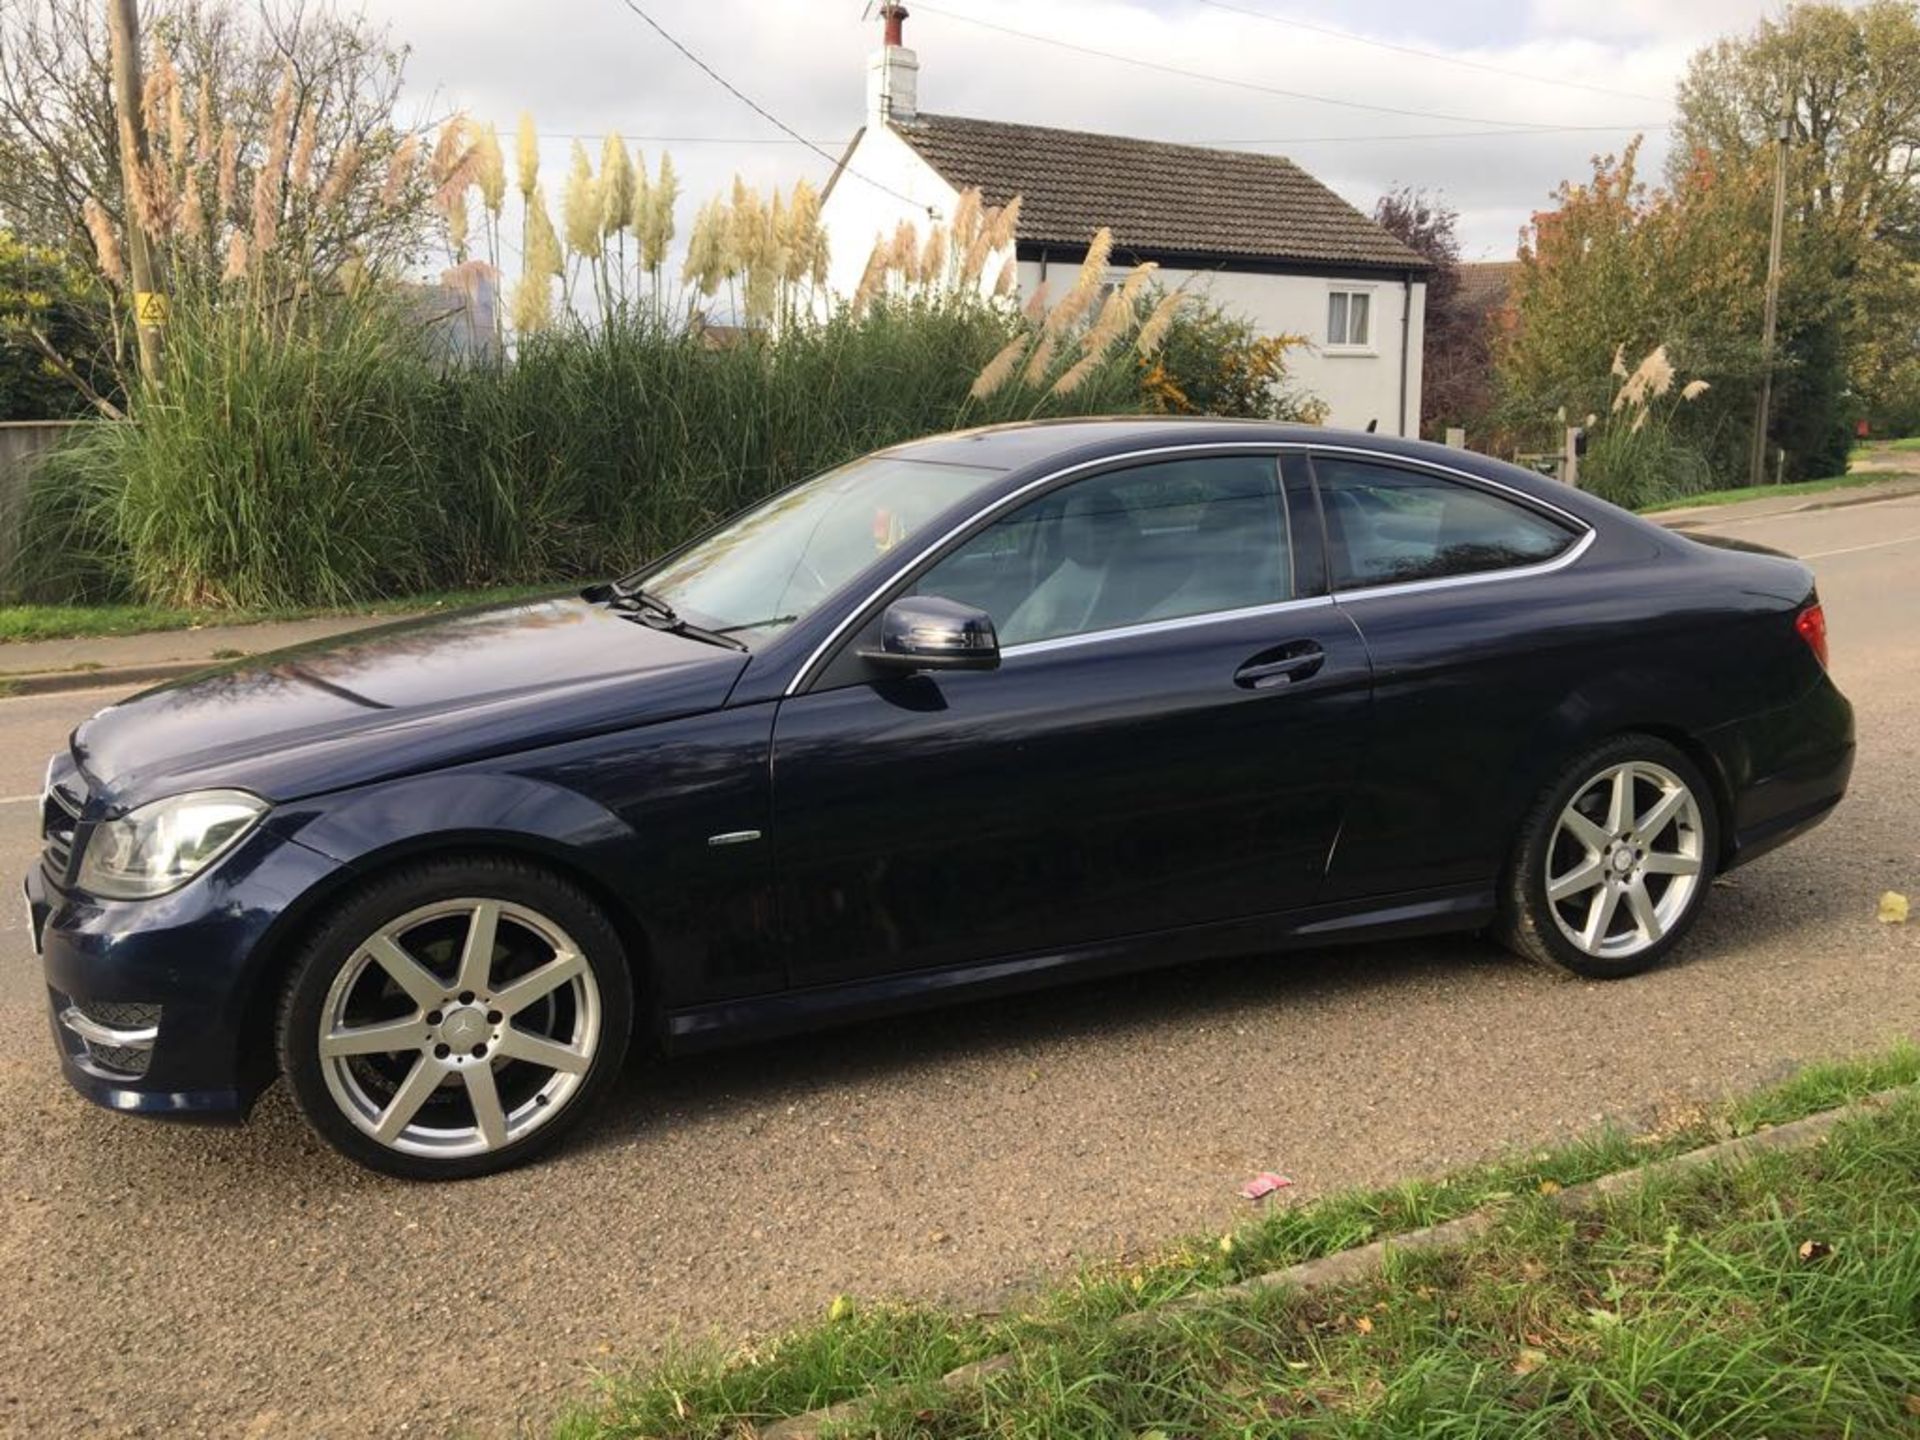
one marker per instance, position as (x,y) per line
(1812,625)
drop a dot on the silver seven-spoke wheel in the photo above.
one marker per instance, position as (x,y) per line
(459,1028)
(456,1016)
(1614,859)
(1625,860)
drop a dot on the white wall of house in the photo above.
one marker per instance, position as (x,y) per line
(857,213)
(1358,383)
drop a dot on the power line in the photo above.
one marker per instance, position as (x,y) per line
(762,111)
(1425,135)
(1558,81)
(1204,143)
(1508,126)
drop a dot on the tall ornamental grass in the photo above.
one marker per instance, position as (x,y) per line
(315,441)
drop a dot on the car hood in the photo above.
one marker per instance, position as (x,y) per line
(400,699)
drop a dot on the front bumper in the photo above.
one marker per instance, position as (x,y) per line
(156,1005)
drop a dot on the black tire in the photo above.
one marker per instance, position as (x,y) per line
(599,1004)
(1527,922)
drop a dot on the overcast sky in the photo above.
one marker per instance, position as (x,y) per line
(587,66)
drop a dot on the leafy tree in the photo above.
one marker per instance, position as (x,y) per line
(223,85)
(1457,356)
(43,327)
(1850,81)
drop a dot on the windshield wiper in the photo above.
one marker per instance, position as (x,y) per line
(652,611)
(757,624)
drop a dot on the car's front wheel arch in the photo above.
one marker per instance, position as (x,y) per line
(280,946)
(454,1013)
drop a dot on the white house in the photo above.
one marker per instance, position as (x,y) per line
(1255,232)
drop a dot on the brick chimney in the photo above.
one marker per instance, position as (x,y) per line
(893,72)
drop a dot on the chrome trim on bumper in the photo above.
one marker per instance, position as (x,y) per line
(94,1033)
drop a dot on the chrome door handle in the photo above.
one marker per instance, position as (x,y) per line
(1281,666)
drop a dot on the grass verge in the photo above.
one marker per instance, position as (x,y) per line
(1678,1312)
(1771,492)
(67,622)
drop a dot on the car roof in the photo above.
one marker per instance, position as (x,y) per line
(1033,445)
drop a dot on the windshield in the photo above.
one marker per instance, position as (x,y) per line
(769,567)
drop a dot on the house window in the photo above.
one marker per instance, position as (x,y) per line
(1349,319)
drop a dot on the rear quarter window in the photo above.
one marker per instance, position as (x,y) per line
(1389,526)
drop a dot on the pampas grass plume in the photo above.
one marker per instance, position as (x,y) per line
(400,171)
(527,155)
(490,168)
(1040,361)
(1153,334)
(580,206)
(106,247)
(1000,369)
(616,185)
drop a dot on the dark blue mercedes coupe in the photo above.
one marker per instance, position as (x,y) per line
(970,715)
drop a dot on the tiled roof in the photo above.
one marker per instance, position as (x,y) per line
(1484,284)
(1157,198)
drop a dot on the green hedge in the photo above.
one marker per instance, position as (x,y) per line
(336,459)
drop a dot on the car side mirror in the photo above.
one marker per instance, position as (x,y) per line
(926,632)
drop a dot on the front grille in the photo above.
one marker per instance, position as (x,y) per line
(59,824)
(121,1014)
(128,1060)
(113,1037)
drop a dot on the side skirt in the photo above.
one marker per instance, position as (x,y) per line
(729,1022)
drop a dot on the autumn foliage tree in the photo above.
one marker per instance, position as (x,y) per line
(1457,378)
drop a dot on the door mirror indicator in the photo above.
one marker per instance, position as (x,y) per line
(926,632)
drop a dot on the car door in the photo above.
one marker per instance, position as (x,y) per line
(1168,740)
(1475,638)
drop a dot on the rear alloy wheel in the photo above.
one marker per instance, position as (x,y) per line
(1614,862)
(453,1020)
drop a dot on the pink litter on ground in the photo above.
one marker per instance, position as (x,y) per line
(1264,1184)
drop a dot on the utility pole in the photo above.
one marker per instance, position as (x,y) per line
(1763,411)
(149,304)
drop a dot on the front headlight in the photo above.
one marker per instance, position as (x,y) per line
(161,846)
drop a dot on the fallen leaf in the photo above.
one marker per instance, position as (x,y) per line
(1528,1361)
(1815,1250)
(1893,908)
(840,1309)
(1226,1244)
(1603,1319)
(1912,1404)
(1363,1325)
(1549,1187)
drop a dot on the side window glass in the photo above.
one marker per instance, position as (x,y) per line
(1387,526)
(1158,542)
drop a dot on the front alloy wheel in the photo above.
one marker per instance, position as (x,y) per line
(441,1027)
(1614,860)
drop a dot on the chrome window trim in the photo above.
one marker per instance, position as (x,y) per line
(1155,627)
(1273,449)
(1481,577)
(1408,462)
(1587,533)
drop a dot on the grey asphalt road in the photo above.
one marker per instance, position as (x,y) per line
(164,1281)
